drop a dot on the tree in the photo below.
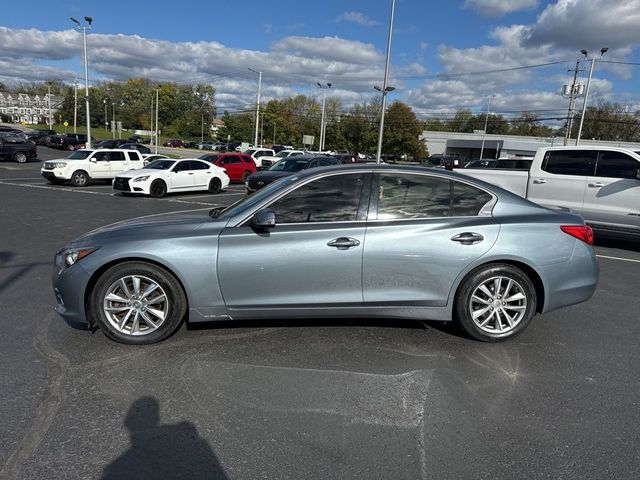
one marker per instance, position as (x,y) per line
(402,131)
(609,121)
(360,126)
(529,124)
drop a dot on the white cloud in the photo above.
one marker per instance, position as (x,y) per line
(358,18)
(496,8)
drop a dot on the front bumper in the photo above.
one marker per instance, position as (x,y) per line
(56,173)
(69,286)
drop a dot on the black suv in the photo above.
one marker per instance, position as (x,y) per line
(69,141)
(16,148)
(39,135)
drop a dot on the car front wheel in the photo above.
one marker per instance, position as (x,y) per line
(137,303)
(495,302)
(79,178)
(20,157)
(158,189)
(215,185)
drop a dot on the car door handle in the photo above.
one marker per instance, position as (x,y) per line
(538,181)
(595,184)
(467,238)
(343,243)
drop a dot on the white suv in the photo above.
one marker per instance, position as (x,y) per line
(82,166)
(257,153)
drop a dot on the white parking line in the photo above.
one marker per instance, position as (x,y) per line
(618,258)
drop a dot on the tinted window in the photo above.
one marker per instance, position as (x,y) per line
(116,156)
(569,162)
(247,159)
(228,160)
(101,156)
(329,199)
(413,196)
(468,200)
(79,155)
(182,166)
(616,165)
(198,165)
(161,164)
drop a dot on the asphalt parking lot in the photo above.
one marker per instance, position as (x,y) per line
(346,399)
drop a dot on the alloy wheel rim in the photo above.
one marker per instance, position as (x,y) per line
(135,305)
(80,179)
(498,305)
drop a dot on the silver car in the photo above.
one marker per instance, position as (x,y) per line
(348,241)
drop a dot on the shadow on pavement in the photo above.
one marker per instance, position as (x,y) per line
(162,451)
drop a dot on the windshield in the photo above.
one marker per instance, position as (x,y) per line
(209,158)
(160,165)
(248,202)
(251,151)
(290,165)
(283,154)
(79,155)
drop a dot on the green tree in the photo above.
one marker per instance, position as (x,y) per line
(402,132)
(609,121)
(529,124)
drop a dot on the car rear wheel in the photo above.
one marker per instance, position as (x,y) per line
(158,189)
(20,157)
(71,147)
(495,302)
(215,185)
(137,303)
(245,176)
(79,178)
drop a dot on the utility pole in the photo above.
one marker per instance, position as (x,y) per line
(486,122)
(84,29)
(75,105)
(151,124)
(49,97)
(573,94)
(385,85)
(157,97)
(255,138)
(113,120)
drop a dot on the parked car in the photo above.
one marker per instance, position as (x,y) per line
(237,166)
(267,160)
(193,145)
(69,141)
(286,167)
(173,143)
(116,143)
(482,163)
(136,146)
(439,246)
(171,176)
(346,158)
(82,166)
(38,135)
(13,147)
(6,129)
(257,153)
(135,139)
(601,183)
(205,145)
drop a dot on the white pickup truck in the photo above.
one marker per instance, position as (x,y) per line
(81,166)
(601,183)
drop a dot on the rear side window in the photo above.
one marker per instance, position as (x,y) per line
(570,162)
(247,159)
(116,156)
(616,165)
(231,159)
(468,200)
(196,165)
(133,155)
(404,196)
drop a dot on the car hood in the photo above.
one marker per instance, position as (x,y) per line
(139,172)
(170,225)
(270,175)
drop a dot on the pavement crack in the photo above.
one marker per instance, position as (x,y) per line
(57,363)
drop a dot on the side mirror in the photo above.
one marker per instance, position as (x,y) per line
(93,160)
(264,219)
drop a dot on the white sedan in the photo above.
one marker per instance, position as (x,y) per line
(164,176)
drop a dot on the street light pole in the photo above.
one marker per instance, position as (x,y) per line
(84,29)
(157,97)
(255,138)
(385,87)
(49,97)
(75,105)
(486,122)
(322,119)
(113,120)
(603,50)
(106,121)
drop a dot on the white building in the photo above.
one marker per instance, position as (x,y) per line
(20,107)
(468,145)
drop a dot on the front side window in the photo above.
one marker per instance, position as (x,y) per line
(182,166)
(229,160)
(329,199)
(616,165)
(405,196)
(569,162)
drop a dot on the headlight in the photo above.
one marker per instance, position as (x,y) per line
(142,179)
(72,255)
(58,164)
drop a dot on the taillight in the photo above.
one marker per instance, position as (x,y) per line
(581,232)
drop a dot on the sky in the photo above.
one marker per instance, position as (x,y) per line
(507,55)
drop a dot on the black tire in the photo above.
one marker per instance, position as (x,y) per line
(20,157)
(55,181)
(215,185)
(174,308)
(79,178)
(505,319)
(158,189)
(71,147)
(245,176)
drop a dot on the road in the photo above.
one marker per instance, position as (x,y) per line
(301,399)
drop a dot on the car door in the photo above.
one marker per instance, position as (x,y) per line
(311,258)
(99,165)
(201,174)
(561,180)
(233,165)
(117,163)
(422,231)
(182,177)
(612,196)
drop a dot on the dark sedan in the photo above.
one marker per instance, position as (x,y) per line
(285,167)
(135,146)
(343,242)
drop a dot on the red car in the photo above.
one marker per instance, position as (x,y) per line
(237,165)
(173,143)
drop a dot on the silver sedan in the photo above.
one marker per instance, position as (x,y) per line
(349,241)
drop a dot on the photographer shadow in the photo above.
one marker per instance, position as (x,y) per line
(162,451)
